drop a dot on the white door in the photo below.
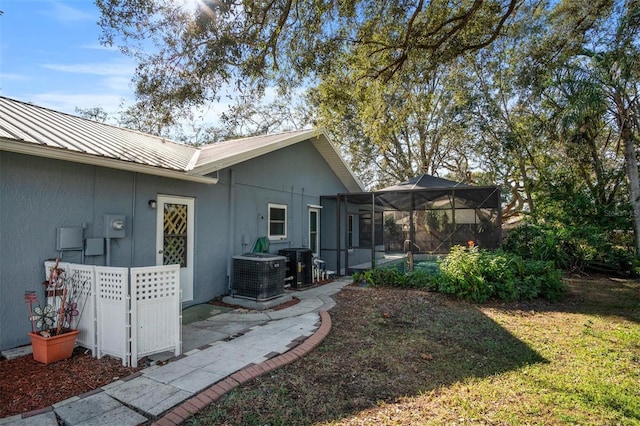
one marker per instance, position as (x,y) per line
(174,238)
(314,230)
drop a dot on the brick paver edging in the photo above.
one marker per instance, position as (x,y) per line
(184,411)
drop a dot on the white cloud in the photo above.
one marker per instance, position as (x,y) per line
(98,46)
(118,83)
(99,84)
(106,68)
(68,102)
(13,77)
(64,13)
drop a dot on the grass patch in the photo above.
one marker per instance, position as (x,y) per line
(412,357)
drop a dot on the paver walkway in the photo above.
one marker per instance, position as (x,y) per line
(169,394)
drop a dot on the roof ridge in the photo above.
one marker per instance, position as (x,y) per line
(246,138)
(194,160)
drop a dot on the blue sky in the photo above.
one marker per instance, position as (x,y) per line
(50,56)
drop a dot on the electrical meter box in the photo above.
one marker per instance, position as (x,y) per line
(114,226)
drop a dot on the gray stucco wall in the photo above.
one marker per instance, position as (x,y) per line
(39,195)
(296,177)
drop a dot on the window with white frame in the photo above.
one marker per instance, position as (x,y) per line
(314,230)
(277,221)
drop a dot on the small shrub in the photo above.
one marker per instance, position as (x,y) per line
(422,279)
(392,277)
(477,275)
(548,280)
(463,276)
(385,277)
(539,242)
(570,247)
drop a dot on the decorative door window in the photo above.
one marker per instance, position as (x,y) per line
(175,234)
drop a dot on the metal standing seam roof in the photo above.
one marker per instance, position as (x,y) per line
(35,130)
(32,124)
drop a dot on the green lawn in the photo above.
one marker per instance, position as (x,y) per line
(401,357)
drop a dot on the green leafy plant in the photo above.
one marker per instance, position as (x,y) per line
(463,277)
(477,275)
(395,277)
(570,247)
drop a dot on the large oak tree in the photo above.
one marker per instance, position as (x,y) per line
(188,55)
(411,86)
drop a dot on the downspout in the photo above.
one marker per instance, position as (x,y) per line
(93,210)
(232,225)
(134,193)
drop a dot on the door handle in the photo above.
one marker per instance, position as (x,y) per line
(160,251)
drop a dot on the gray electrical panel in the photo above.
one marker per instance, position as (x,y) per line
(70,238)
(94,247)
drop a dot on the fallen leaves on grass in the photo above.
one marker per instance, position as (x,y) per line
(427,357)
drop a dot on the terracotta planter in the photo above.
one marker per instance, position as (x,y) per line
(55,348)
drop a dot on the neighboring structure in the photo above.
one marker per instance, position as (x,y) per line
(97,194)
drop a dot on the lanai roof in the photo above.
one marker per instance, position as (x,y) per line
(426,192)
(34,130)
(425,181)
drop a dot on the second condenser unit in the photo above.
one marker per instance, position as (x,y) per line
(299,266)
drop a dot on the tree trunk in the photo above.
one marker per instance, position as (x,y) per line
(527,185)
(634,185)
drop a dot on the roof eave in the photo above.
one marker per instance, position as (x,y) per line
(316,136)
(112,163)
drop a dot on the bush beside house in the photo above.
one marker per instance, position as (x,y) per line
(478,275)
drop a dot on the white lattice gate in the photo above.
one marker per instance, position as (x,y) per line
(155,311)
(122,320)
(112,300)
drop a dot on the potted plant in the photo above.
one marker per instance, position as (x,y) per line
(53,335)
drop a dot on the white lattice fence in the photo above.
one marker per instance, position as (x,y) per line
(112,300)
(155,311)
(85,321)
(124,321)
(84,285)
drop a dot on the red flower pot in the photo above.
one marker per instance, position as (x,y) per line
(54,348)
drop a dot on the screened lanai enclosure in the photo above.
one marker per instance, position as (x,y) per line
(424,216)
